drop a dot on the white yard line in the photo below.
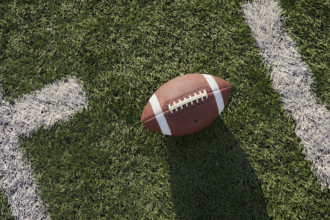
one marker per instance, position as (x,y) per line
(292,79)
(56,102)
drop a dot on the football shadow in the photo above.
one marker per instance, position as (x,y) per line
(211,177)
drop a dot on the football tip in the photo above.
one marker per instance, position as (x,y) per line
(147,113)
(225,89)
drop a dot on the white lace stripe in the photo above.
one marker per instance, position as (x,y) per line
(159,115)
(216,91)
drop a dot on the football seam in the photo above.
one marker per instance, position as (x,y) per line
(154,116)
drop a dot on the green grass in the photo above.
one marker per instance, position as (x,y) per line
(308,23)
(4,208)
(103,164)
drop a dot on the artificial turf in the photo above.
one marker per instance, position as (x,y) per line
(103,164)
(308,22)
(4,208)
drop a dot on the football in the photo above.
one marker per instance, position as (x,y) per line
(186,104)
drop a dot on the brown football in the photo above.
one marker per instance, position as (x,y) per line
(186,104)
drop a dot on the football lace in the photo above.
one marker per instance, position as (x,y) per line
(202,95)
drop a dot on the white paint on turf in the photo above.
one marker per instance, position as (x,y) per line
(55,102)
(292,79)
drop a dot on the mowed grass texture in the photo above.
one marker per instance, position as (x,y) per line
(4,208)
(103,164)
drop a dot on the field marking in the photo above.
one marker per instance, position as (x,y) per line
(292,79)
(55,102)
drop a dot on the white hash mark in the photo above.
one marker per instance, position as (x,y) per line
(55,102)
(292,79)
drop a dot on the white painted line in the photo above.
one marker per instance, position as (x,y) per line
(56,102)
(292,79)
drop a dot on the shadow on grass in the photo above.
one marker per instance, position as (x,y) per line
(211,177)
